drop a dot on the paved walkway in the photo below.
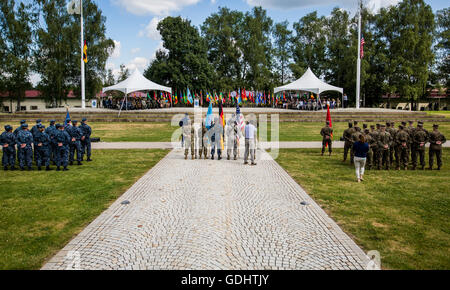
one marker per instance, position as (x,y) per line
(206,214)
(264,145)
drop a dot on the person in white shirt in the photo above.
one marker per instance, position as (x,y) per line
(250,142)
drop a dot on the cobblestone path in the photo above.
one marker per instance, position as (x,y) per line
(206,214)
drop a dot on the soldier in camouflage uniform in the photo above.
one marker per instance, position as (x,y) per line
(355,136)
(390,128)
(374,146)
(8,144)
(410,131)
(203,141)
(348,142)
(420,139)
(402,141)
(327,135)
(384,141)
(436,140)
(188,140)
(371,143)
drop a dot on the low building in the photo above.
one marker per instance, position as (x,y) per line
(34,101)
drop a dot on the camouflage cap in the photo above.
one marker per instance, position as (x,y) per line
(366,131)
(383,126)
(355,123)
(365,126)
(372,126)
(401,127)
(410,122)
(435,126)
(404,123)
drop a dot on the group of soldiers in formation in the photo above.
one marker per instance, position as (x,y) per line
(388,144)
(55,144)
(198,140)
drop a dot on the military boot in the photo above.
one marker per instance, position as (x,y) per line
(71,163)
(439,168)
(5,168)
(39,168)
(66,169)
(13,168)
(89,159)
(58,168)
(79,163)
(48,168)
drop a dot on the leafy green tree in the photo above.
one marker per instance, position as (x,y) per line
(411,47)
(442,47)
(309,45)
(15,48)
(222,32)
(282,51)
(186,61)
(124,73)
(257,49)
(58,52)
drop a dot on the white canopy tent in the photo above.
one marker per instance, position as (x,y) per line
(309,83)
(137,82)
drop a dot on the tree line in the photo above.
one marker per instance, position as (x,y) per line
(41,38)
(406,51)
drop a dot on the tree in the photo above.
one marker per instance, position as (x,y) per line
(442,48)
(222,32)
(15,48)
(123,74)
(308,47)
(257,49)
(186,60)
(282,51)
(411,47)
(58,52)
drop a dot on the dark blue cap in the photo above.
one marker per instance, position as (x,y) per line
(52,121)
(74,121)
(24,126)
(38,121)
(83,120)
(8,127)
(58,126)
(23,122)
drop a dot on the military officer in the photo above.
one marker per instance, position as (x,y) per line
(62,141)
(374,146)
(34,131)
(436,141)
(420,139)
(371,142)
(348,142)
(402,141)
(8,143)
(51,131)
(327,135)
(384,141)
(24,144)
(42,148)
(203,141)
(231,138)
(216,132)
(390,128)
(86,131)
(410,131)
(16,132)
(187,132)
(75,144)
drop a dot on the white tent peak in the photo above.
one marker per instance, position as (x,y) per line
(137,82)
(309,83)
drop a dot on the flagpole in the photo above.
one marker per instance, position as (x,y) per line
(358,61)
(83,88)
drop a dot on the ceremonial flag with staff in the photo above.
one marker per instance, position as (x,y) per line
(329,120)
(85,52)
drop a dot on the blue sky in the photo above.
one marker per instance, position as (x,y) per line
(132,23)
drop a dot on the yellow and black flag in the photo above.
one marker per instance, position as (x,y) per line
(85,52)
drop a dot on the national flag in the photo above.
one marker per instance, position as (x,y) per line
(189,97)
(148,96)
(329,120)
(85,52)
(67,118)
(362,46)
(222,121)
(209,116)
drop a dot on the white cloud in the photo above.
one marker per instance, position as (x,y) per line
(140,63)
(117,48)
(375,5)
(151,30)
(135,50)
(159,47)
(35,79)
(157,7)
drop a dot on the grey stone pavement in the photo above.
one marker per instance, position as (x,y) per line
(205,214)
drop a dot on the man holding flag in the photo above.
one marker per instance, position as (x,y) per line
(327,134)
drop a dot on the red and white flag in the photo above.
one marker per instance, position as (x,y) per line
(362,47)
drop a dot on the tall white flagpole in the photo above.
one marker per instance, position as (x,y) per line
(358,62)
(83,88)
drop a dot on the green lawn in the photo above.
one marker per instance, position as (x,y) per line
(402,214)
(41,211)
(442,113)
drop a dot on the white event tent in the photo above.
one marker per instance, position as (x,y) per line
(309,83)
(137,82)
